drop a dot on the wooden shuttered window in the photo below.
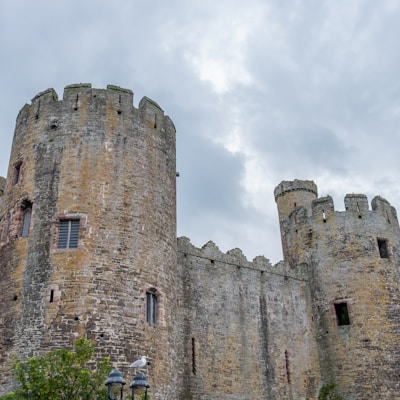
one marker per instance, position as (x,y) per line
(68,234)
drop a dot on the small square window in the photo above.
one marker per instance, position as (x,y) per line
(68,234)
(383,248)
(342,314)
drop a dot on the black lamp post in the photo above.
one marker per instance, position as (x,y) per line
(139,385)
(115,384)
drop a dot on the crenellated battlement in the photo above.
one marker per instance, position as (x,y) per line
(384,208)
(46,96)
(356,203)
(295,186)
(210,254)
(322,205)
(78,98)
(298,202)
(309,224)
(356,206)
(211,251)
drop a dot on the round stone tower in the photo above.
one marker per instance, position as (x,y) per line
(290,196)
(88,231)
(353,258)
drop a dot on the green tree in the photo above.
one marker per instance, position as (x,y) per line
(61,375)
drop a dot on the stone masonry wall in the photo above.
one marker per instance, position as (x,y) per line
(95,157)
(246,327)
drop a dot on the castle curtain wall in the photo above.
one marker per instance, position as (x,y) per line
(246,326)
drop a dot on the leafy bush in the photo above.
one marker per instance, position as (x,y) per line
(61,375)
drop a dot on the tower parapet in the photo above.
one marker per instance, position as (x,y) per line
(292,194)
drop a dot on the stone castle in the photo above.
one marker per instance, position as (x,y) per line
(88,248)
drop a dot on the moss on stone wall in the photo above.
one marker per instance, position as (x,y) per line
(328,392)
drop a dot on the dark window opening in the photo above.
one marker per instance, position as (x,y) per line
(51,295)
(383,248)
(151,308)
(194,356)
(17,173)
(287,367)
(68,234)
(37,111)
(342,314)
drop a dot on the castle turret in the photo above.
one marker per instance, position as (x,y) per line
(293,196)
(88,230)
(353,258)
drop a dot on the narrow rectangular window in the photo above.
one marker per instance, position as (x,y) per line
(26,223)
(151,307)
(17,174)
(194,356)
(68,234)
(383,248)
(287,366)
(342,314)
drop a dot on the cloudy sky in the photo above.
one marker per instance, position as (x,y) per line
(260,91)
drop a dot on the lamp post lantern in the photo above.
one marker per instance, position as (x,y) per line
(115,385)
(139,385)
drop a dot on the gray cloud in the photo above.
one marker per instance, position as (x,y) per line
(259,92)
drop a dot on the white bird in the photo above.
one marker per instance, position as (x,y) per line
(139,363)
